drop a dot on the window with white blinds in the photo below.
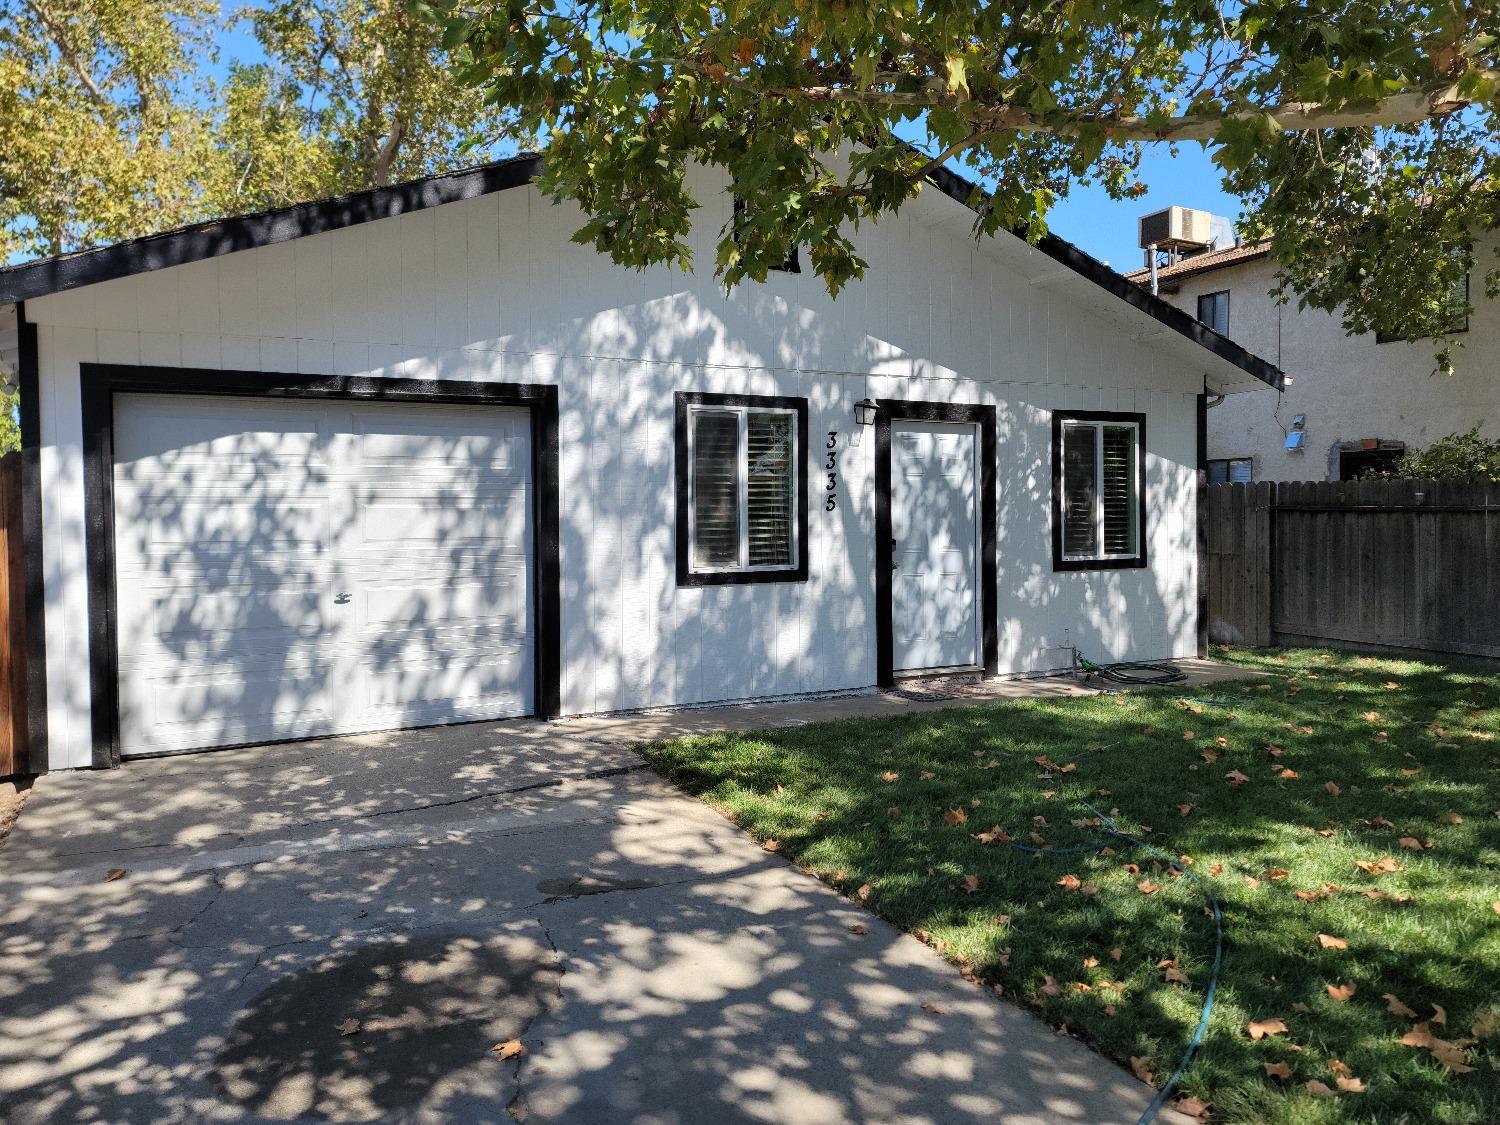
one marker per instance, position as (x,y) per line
(742,489)
(1098,489)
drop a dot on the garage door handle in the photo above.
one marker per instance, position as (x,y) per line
(342,599)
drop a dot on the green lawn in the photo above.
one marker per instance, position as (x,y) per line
(1349,760)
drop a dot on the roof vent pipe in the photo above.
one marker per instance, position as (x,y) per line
(1151,259)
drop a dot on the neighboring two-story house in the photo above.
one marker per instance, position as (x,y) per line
(1351,403)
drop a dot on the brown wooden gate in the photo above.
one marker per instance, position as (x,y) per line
(12,621)
(1392,564)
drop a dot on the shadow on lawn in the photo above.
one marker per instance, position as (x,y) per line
(868,800)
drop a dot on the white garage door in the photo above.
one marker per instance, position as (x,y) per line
(294,568)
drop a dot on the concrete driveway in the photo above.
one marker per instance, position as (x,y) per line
(342,930)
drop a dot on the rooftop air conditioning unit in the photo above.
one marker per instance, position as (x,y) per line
(1177,228)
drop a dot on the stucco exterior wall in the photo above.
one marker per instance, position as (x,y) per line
(492,289)
(1350,388)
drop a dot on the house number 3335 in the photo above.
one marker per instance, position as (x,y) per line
(831,465)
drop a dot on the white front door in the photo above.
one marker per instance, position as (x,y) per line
(935,553)
(295,568)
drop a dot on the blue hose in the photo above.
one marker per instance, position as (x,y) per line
(1113,830)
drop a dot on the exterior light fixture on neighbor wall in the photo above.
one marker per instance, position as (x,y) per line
(864,412)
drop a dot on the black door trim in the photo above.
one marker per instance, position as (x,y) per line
(102,381)
(890,410)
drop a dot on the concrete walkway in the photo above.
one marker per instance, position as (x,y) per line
(341,930)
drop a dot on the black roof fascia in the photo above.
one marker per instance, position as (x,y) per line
(225,236)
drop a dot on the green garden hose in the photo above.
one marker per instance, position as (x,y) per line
(1140,672)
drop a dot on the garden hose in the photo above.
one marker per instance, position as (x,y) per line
(1140,672)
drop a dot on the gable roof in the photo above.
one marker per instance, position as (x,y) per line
(1202,263)
(226,236)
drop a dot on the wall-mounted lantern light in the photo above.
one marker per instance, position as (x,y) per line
(864,412)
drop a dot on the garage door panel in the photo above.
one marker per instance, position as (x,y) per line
(179,431)
(421,440)
(430,688)
(198,625)
(369,569)
(226,704)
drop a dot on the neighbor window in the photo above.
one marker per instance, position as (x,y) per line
(792,263)
(1213,310)
(1099,511)
(1230,470)
(742,512)
(1459,299)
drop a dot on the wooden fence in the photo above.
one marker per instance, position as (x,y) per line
(1389,564)
(12,621)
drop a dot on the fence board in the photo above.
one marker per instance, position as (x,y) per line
(1404,564)
(12,621)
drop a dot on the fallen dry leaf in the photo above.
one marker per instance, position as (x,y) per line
(1410,842)
(1184,809)
(1288,774)
(1216,869)
(1450,818)
(1237,778)
(996,835)
(890,775)
(1259,1029)
(1050,987)
(1116,953)
(1318,1089)
(1440,1015)
(1140,1064)
(1332,787)
(772,845)
(1147,887)
(1277,1070)
(859,928)
(114,873)
(1327,941)
(1350,1085)
(863,893)
(1174,975)
(1449,1053)
(935,1009)
(1091,962)
(348,1027)
(1394,1005)
(955,816)
(1069,882)
(1370,716)
(971,883)
(1191,1107)
(1341,993)
(1188,735)
(1277,873)
(1252,882)
(1381,866)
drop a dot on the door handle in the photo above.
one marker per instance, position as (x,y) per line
(342,598)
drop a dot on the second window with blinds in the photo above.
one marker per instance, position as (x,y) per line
(741,505)
(1099,503)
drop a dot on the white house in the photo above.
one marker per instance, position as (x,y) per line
(1359,402)
(413,457)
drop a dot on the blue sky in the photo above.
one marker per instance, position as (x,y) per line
(1106,228)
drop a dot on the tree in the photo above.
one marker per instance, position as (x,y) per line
(1465,457)
(112,127)
(95,141)
(1361,134)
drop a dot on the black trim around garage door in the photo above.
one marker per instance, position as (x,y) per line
(984,417)
(101,382)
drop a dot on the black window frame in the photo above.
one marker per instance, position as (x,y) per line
(1217,293)
(792,263)
(1227,462)
(684,403)
(1060,562)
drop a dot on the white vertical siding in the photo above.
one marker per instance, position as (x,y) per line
(492,289)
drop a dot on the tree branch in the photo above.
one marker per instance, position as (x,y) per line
(69,55)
